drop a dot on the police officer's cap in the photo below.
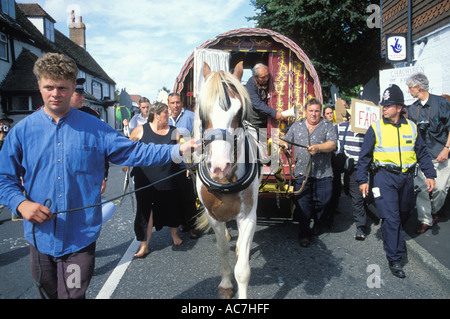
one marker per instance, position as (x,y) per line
(392,95)
(80,86)
(6,119)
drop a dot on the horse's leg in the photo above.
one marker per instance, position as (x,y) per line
(223,246)
(246,227)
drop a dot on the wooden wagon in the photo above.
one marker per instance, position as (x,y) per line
(294,80)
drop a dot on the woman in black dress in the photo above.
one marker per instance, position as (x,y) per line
(157,206)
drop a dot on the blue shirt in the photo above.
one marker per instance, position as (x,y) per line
(184,122)
(65,162)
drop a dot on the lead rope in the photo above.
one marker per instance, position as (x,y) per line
(48,203)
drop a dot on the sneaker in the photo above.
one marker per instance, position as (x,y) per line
(360,235)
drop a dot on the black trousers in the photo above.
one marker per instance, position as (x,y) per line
(358,208)
(189,198)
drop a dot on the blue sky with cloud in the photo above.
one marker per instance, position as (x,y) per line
(142,44)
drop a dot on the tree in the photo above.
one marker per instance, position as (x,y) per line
(334,35)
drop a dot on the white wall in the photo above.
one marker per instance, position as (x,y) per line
(38,23)
(435,52)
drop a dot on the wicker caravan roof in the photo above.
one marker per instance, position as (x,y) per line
(254,32)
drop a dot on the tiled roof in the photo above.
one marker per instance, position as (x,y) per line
(22,29)
(21,77)
(34,10)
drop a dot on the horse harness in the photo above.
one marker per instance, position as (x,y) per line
(252,168)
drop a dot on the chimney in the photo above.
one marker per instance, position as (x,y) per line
(77,31)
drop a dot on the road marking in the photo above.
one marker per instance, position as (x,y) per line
(118,272)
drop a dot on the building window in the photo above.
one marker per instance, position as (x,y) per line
(8,7)
(3,47)
(97,90)
(49,30)
(19,104)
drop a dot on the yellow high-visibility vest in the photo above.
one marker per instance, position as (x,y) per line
(395,145)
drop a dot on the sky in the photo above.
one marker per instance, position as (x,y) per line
(143,44)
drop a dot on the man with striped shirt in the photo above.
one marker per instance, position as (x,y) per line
(351,146)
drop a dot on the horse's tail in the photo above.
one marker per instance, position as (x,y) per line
(201,222)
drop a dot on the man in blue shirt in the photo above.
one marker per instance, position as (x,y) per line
(183,120)
(53,161)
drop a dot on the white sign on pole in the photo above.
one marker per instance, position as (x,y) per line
(399,76)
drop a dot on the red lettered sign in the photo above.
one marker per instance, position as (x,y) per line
(364,113)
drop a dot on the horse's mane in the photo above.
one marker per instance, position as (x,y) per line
(213,87)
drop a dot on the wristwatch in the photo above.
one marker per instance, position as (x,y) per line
(447,147)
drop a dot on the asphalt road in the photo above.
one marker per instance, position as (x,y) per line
(335,266)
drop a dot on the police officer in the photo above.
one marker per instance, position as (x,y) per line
(78,98)
(393,148)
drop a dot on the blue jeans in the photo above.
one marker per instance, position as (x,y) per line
(314,199)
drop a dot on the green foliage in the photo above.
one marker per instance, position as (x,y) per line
(334,35)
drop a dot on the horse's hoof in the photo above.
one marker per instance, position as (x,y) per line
(227,235)
(226,293)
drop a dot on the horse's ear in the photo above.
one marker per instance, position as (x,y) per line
(239,70)
(206,70)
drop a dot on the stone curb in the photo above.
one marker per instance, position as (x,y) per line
(431,264)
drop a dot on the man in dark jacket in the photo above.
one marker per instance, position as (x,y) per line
(258,89)
(431,113)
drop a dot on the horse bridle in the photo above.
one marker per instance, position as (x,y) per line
(251,167)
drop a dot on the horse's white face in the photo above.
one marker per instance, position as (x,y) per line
(222,152)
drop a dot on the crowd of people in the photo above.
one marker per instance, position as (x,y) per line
(77,148)
(404,153)
(403,157)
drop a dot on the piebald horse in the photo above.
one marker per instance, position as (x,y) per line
(228,174)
